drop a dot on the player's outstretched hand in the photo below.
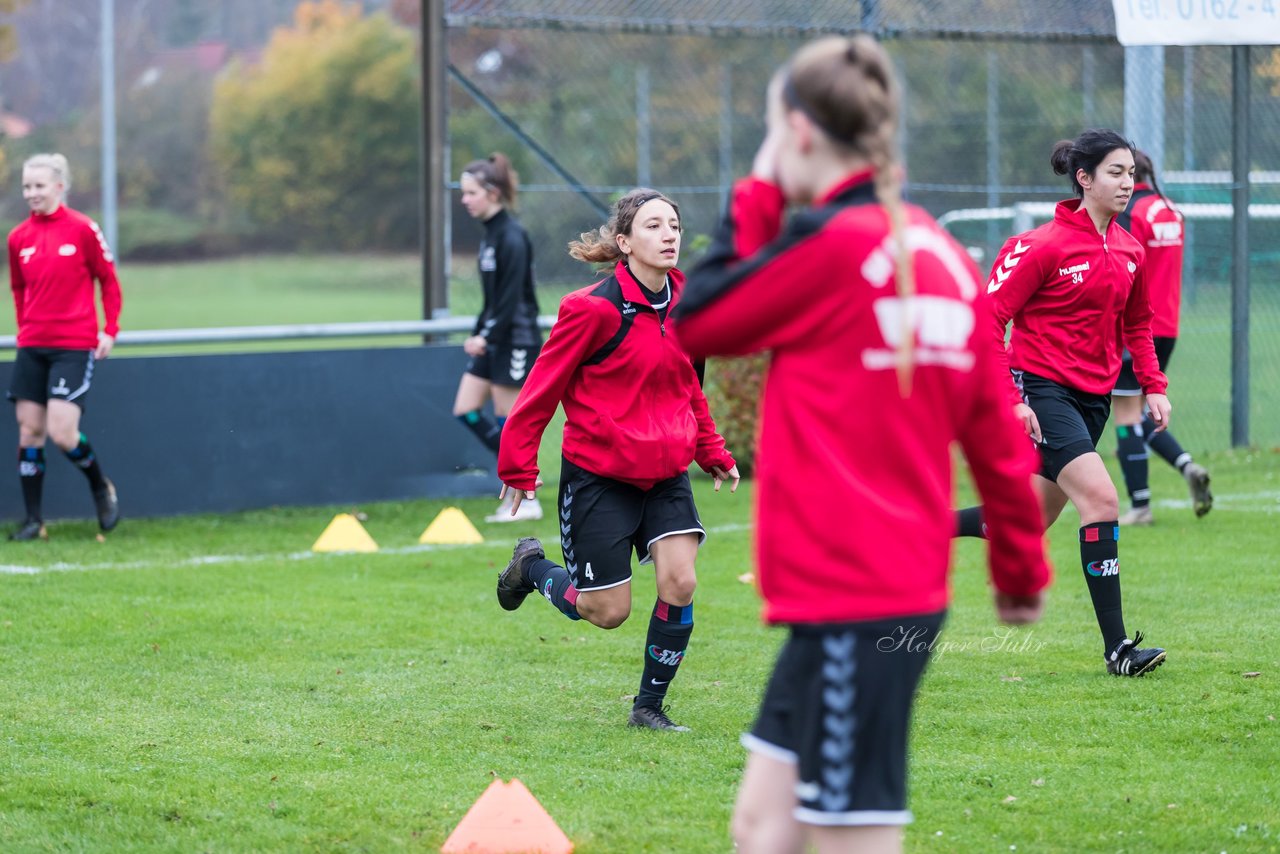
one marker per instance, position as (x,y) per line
(721,476)
(518,495)
(1019,610)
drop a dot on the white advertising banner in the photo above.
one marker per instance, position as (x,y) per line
(1191,22)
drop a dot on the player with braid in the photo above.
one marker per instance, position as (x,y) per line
(875,323)
(1076,291)
(635,417)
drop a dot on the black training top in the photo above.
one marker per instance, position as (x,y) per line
(510,314)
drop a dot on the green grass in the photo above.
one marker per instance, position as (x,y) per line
(155,699)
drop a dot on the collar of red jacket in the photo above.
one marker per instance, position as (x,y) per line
(1071,213)
(853,179)
(1141,185)
(631,289)
(60,213)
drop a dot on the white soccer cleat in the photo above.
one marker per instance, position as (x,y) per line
(1136,516)
(1198,481)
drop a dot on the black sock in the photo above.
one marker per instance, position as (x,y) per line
(969,523)
(485,430)
(1131,448)
(1099,555)
(85,460)
(1165,445)
(664,648)
(555,585)
(31,475)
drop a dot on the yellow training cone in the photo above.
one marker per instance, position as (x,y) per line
(345,534)
(451,527)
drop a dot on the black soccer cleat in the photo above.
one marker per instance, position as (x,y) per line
(108,506)
(650,718)
(513,586)
(32,529)
(1128,660)
(1197,478)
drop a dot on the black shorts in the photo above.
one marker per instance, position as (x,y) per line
(505,364)
(1071,421)
(1127,385)
(838,706)
(42,373)
(603,520)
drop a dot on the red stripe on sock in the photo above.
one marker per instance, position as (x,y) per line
(1090,535)
(661,611)
(571,595)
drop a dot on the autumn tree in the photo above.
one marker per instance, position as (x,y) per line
(318,141)
(7,48)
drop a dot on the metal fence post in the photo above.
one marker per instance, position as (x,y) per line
(1240,246)
(435,138)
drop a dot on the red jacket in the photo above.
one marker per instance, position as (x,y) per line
(53,261)
(1077,299)
(1157,224)
(634,410)
(853,483)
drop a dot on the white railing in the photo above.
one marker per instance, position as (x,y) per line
(225,334)
(1024,214)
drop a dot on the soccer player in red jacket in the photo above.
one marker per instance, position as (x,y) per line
(1157,224)
(1076,291)
(635,417)
(54,258)
(875,322)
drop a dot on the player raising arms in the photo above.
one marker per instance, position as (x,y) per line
(1076,291)
(875,322)
(635,417)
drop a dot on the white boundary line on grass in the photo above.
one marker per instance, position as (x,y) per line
(210,560)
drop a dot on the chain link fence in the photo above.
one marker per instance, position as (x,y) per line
(592,97)
(670,94)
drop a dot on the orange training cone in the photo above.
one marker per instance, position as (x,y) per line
(507,819)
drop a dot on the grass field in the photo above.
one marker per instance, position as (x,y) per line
(207,684)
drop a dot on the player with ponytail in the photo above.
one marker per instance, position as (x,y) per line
(875,324)
(505,341)
(1076,293)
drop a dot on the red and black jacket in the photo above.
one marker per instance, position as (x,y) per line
(634,410)
(854,480)
(53,262)
(1077,299)
(1156,223)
